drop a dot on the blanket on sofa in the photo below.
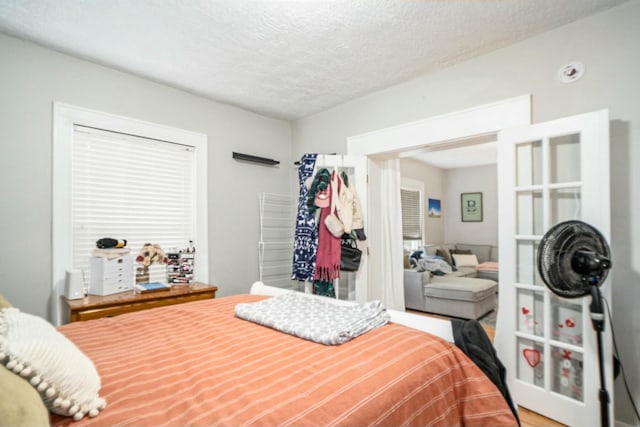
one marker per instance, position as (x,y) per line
(433,264)
(321,320)
(487,266)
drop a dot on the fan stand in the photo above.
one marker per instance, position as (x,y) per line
(597,320)
(573,260)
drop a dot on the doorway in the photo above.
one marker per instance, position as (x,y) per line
(434,133)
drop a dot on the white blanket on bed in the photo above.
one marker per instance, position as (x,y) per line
(322,320)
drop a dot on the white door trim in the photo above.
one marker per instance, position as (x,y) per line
(481,120)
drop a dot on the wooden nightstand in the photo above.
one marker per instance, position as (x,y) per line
(95,306)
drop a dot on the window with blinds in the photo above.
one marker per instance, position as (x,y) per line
(411,214)
(129,187)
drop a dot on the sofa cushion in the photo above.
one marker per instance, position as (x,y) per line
(465,260)
(491,275)
(445,256)
(453,252)
(440,250)
(458,288)
(405,261)
(431,249)
(464,272)
(494,255)
(483,252)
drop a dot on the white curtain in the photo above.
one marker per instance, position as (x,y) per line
(388,266)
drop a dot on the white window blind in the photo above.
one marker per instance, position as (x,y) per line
(411,214)
(130,187)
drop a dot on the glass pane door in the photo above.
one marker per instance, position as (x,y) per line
(546,176)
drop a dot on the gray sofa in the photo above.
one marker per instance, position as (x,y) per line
(464,293)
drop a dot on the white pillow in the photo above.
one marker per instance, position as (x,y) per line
(67,380)
(465,260)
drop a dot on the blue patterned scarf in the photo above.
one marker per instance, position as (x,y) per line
(305,245)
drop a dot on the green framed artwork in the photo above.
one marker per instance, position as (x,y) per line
(471,207)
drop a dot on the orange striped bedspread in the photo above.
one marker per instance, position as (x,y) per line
(196,364)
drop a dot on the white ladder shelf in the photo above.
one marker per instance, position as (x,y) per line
(275,247)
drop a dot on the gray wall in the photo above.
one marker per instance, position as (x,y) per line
(447,185)
(607,44)
(481,179)
(33,78)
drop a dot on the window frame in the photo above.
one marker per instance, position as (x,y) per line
(65,116)
(414,185)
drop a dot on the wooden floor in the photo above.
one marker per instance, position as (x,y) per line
(527,418)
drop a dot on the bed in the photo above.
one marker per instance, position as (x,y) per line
(198,364)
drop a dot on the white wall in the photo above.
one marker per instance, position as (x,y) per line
(607,43)
(32,78)
(481,179)
(433,179)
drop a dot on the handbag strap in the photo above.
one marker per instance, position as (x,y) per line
(349,242)
(335,190)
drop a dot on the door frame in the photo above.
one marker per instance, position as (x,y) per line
(441,130)
(464,124)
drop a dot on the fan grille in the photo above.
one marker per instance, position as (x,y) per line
(555,254)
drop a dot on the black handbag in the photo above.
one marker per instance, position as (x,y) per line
(350,255)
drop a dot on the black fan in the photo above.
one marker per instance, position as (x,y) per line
(574,260)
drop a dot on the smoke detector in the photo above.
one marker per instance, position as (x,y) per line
(571,72)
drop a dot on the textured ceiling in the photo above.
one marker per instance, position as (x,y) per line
(284,59)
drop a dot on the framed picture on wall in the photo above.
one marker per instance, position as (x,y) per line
(433,209)
(471,207)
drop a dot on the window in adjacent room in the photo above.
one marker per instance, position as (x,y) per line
(411,204)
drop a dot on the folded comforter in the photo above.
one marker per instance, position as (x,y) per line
(313,318)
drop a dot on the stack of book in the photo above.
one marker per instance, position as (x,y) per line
(151,287)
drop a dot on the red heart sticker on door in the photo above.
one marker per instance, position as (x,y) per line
(532,356)
(525,310)
(570,322)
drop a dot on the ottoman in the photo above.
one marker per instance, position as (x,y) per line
(463,297)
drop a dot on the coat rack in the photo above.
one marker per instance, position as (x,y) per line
(255,159)
(297,162)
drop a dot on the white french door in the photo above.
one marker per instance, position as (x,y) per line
(549,173)
(351,285)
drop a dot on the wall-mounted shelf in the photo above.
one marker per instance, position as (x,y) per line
(255,159)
